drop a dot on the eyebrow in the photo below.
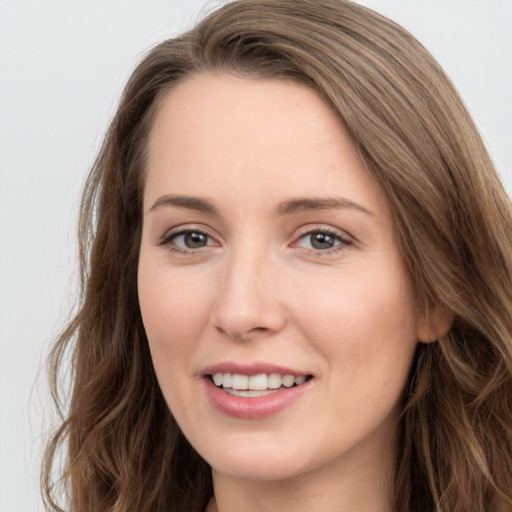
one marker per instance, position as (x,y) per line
(289,207)
(190,202)
(313,203)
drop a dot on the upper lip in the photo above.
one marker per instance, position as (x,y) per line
(255,368)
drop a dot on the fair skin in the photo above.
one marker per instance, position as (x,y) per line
(266,244)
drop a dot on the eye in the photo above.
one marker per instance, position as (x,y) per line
(322,240)
(187,240)
(191,239)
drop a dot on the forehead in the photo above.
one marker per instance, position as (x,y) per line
(216,134)
(215,108)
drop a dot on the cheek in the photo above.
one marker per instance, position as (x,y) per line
(364,324)
(175,309)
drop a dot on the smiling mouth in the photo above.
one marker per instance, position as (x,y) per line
(256,385)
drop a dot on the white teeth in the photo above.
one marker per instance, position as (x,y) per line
(239,381)
(288,381)
(274,381)
(227,380)
(250,392)
(260,382)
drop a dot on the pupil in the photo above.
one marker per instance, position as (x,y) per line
(322,241)
(195,240)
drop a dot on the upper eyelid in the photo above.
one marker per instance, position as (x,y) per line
(187,228)
(319,228)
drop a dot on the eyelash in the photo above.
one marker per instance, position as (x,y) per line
(168,239)
(344,241)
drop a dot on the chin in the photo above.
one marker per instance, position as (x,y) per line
(260,470)
(260,461)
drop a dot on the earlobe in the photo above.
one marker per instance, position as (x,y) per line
(433,324)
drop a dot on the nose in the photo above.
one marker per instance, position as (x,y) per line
(249,302)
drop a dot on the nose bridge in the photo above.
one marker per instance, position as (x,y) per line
(247,301)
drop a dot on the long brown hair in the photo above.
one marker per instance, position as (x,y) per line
(118,447)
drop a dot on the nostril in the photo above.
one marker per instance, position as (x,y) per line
(242,335)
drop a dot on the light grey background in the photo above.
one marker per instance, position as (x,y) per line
(62,67)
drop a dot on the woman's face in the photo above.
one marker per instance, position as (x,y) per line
(268,260)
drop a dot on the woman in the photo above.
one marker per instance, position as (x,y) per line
(296,270)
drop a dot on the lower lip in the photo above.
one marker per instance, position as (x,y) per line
(253,408)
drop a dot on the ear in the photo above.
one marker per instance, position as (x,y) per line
(433,323)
